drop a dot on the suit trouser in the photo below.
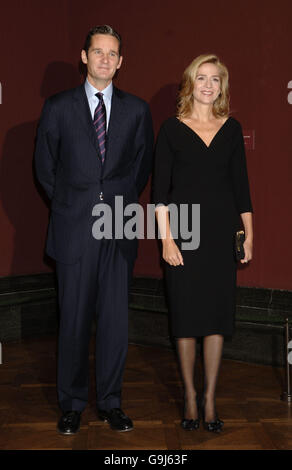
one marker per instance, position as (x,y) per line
(96,285)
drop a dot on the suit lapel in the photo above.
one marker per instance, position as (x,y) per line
(114,135)
(82,110)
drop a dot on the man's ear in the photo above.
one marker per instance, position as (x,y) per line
(120,62)
(84,56)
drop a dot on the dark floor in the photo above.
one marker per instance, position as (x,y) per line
(248,400)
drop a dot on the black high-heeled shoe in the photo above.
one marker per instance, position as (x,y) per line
(212,426)
(191,424)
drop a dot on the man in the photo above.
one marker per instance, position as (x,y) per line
(93,143)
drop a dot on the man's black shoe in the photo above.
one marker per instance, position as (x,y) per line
(117,419)
(69,423)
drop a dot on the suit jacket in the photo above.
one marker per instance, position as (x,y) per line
(69,168)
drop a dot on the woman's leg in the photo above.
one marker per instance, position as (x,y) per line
(186,348)
(213,346)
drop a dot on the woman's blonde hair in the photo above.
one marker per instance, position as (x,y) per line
(185,96)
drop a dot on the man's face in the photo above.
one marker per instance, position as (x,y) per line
(102,60)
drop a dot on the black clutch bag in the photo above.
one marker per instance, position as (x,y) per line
(239,240)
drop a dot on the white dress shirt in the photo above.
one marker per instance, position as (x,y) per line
(93,100)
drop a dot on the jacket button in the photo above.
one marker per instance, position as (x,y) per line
(101,196)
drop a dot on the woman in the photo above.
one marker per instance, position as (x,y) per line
(200,159)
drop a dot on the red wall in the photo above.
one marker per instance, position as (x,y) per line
(40,46)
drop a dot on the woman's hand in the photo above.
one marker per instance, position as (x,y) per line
(247,245)
(171,253)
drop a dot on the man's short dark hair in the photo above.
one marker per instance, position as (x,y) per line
(103,29)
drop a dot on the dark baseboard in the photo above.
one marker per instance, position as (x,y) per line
(259,321)
(28,307)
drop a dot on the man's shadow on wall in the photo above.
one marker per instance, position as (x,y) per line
(22,196)
(163,104)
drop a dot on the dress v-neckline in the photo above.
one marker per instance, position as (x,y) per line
(200,138)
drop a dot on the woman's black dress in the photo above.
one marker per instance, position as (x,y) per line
(202,293)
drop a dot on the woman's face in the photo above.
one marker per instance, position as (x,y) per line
(207,84)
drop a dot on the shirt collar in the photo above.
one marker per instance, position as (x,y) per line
(91,90)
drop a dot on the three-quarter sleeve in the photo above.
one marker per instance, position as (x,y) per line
(163,164)
(239,175)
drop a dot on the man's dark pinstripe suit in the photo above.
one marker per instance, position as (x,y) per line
(93,274)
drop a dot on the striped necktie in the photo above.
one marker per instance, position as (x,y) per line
(99,121)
